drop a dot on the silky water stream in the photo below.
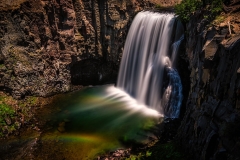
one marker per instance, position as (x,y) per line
(96,120)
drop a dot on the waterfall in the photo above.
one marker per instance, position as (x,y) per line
(146,71)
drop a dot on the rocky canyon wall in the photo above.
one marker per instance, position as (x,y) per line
(48,45)
(44,42)
(211,124)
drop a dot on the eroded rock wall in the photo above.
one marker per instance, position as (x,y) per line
(210,128)
(40,41)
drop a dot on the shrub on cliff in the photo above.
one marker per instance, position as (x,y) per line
(216,7)
(187,7)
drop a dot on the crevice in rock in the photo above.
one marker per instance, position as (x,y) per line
(94,25)
(102,9)
(184,72)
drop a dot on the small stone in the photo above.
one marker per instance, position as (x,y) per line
(121,151)
(238,71)
(61,129)
(36,128)
(18,125)
(117,154)
(8,121)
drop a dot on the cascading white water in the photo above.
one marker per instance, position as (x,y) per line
(146,71)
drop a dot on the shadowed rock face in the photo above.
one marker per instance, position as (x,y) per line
(41,40)
(92,72)
(210,128)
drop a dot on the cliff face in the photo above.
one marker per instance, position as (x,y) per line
(43,42)
(210,128)
(48,45)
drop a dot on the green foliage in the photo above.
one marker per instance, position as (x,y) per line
(215,7)
(148,124)
(186,8)
(134,157)
(158,6)
(25,107)
(140,156)
(2,65)
(30,101)
(148,153)
(1,98)
(167,151)
(5,111)
(218,19)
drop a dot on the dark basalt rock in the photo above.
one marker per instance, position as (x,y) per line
(92,72)
(213,103)
(233,42)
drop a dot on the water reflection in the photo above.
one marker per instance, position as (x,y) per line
(98,119)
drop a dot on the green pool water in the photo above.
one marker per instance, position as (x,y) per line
(92,122)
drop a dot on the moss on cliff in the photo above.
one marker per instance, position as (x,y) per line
(15,114)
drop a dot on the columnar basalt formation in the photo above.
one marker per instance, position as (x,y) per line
(41,41)
(210,128)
